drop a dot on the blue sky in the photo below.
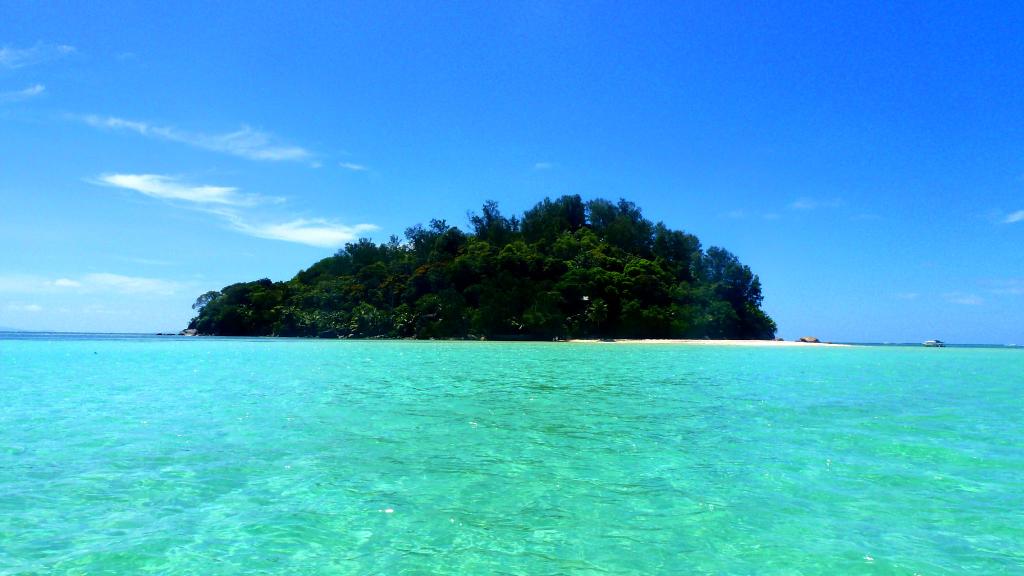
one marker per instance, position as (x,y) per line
(867,161)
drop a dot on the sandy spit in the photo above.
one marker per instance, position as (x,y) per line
(759,343)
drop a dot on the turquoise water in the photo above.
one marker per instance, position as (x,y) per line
(223,456)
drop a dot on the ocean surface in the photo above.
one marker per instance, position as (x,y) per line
(143,455)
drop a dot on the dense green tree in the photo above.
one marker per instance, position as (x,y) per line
(205,299)
(567,268)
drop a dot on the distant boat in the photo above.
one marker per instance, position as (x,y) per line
(935,344)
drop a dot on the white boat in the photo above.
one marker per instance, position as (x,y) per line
(935,344)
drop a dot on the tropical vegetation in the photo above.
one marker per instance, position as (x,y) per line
(567,268)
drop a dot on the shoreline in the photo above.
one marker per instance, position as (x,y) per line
(673,341)
(690,342)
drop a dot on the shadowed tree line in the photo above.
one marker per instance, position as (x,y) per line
(567,268)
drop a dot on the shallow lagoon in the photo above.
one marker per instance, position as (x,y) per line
(228,456)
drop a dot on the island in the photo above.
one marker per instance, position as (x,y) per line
(567,268)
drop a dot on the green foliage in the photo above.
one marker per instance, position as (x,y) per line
(568,268)
(205,299)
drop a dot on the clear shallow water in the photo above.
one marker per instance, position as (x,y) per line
(222,456)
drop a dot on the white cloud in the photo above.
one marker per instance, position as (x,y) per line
(743,214)
(129,284)
(312,232)
(1015,217)
(118,123)
(907,295)
(543,166)
(1014,287)
(225,202)
(16,307)
(170,188)
(806,203)
(245,142)
(22,284)
(88,284)
(145,261)
(964,299)
(21,57)
(353,167)
(24,94)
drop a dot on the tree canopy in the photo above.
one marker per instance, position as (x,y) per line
(567,268)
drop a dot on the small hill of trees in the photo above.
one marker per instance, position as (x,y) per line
(567,268)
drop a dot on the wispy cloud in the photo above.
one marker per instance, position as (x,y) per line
(1014,287)
(22,57)
(807,203)
(907,295)
(743,214)
(245,142)
(172,188)
(353,166)
(128,284)
(21,284)
(543,166)
(1014,217)
(24,94)
(99,282)
(19,307)
(963,298)
(316,232)
(229,204)
(145,261)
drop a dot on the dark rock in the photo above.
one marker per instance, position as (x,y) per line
(809,339)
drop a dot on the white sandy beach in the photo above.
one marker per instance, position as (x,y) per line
(758,343)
